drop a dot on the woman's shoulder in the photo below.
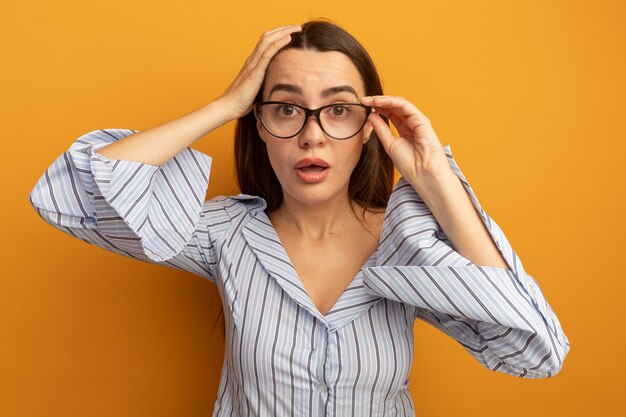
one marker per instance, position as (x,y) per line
(221,212)
(234,205)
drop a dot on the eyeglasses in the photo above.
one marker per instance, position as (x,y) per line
(338,120)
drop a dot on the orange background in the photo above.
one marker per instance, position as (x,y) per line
(529,94)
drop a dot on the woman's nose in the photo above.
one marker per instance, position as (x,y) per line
(312,133)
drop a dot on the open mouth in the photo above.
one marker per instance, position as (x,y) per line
(312,170)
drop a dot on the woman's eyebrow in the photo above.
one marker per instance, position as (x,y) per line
(340,89)
(291,88)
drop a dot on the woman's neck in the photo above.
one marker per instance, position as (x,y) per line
(316,222)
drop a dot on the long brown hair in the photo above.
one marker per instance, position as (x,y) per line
(372,179)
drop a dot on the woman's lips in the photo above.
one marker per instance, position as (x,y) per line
(311,171)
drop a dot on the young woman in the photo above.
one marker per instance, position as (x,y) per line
(321,263)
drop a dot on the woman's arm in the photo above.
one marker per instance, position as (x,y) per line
(160,143)
(141,194)
(494,309)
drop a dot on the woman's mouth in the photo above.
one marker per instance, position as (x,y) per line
(312,171)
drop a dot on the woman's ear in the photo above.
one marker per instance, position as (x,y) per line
(367,132)
(260,130)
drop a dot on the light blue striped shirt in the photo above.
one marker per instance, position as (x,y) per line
(282,356)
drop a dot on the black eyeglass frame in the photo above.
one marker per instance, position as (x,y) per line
(308,113)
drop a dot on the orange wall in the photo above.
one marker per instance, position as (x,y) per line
(529,94)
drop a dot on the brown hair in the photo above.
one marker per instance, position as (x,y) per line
(371,181)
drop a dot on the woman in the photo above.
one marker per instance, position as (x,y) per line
(321,268)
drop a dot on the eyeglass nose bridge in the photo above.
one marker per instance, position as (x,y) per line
(315,113)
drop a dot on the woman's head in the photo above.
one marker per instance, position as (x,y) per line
(321,65)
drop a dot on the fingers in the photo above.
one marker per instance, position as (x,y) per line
(399,105)
(402,113)
(280,28)
(270,43)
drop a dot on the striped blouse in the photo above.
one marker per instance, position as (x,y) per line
(282,356)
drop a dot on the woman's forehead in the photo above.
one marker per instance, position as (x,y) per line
(313,72)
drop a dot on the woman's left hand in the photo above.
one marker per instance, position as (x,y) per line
(417,152)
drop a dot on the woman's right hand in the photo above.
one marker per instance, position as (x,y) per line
(241,92)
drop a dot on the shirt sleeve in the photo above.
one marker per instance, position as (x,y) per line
(499,316)
(154,214)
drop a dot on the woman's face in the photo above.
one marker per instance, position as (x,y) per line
(313,79)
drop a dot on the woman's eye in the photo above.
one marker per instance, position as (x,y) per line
(338,111)
(286,110)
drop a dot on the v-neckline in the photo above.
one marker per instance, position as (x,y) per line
(354,299)
(355,282)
